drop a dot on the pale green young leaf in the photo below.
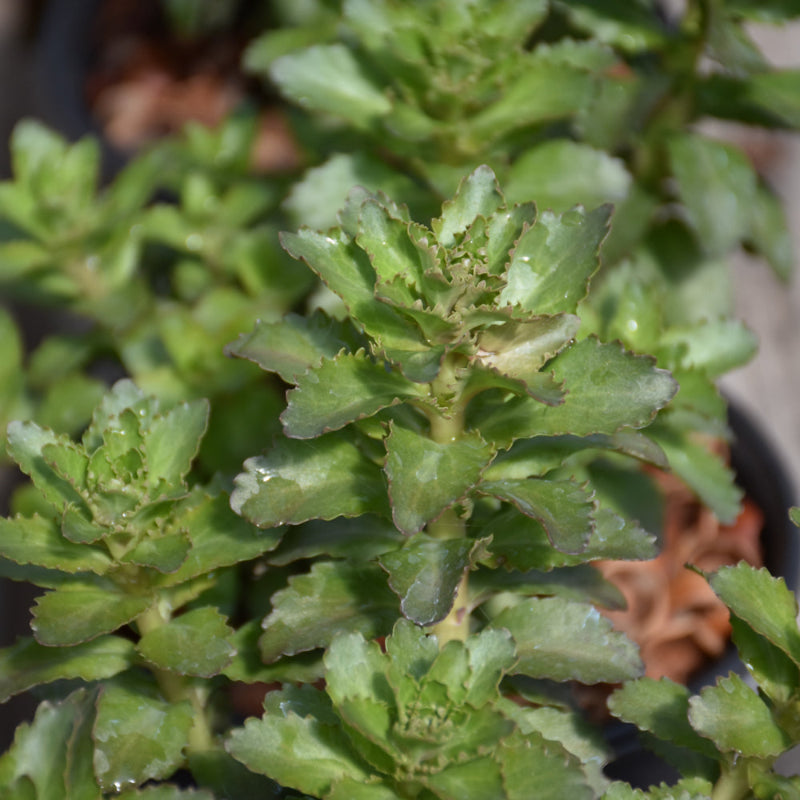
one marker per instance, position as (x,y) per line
(349,789)
(411,652)
(718,187)
(560,173)
(684,789)
(78,613)
(715,347)
(553,261)
(197,643)
(38,540)
(138,736)
(769,233)
(425,574)
(632,27)
(164,553)
(660,707)
(737,720)
(124,394)
(329,78)
(520,349)
(292,345)
(534,767)
(492,654)
(478,195)
(355,670)
(302,480)
(172,440)
(762,601)
(425,478)
(27,663)
(333,597)
(347,388)
(298,742)
(473,779)
(564,508)
(562,641)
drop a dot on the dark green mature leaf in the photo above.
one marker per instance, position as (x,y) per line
(227,778)
(426,478)
(77,613)
(329,78)
(165,553)
(769,234)
(302,480)
(298,742)
(717,185)
(39,541)
(607,389)
(765,10)
(425,575)
(553,261)
(737,720)
(48,756)
(473,779)
(763,602)
(292,345)
(713,347)
(197,643)
(660,707)
(28,663)
(562,641)
(478,195)
(166,792)
(342,390)
(565,509)
(333,597)
(138,736)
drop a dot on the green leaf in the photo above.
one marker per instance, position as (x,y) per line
(553,261)
(632,27)
(302,480)
(298,742)
(166,792)
(425,575)
(737,720)
(520,349)
(560,173)
(39,541)
(329,78)
(195,643)
(334,597)
(565,509)
(138,737)
(765,10)
(426,478)
(534,767)
(350,387)
(59,730)
(471,780)
(78,613)
(769,234)
(563,641)
(171,442)
(660,707)
(478,195)
(227,778)
(704,472)
(165,553)
(293,345)
(718,188)
(28,663)
(763,602)
(714,347)
(607,389)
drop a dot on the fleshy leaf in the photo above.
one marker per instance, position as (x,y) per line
(349,387)
(28,663)
(302,480)
(426,477)
(763,602)
(737,720)
(165,553)
(292,345)
(553,261)
(661,708)
(75,613)
(563,641)
(425,575)
(39,541)
(195,643)
(565,509)
(333,597)
(138,736)
(298,742)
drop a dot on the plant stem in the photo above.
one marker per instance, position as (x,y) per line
(177,688)
(732,784)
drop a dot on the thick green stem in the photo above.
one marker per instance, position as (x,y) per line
(733,784)
(177,688)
